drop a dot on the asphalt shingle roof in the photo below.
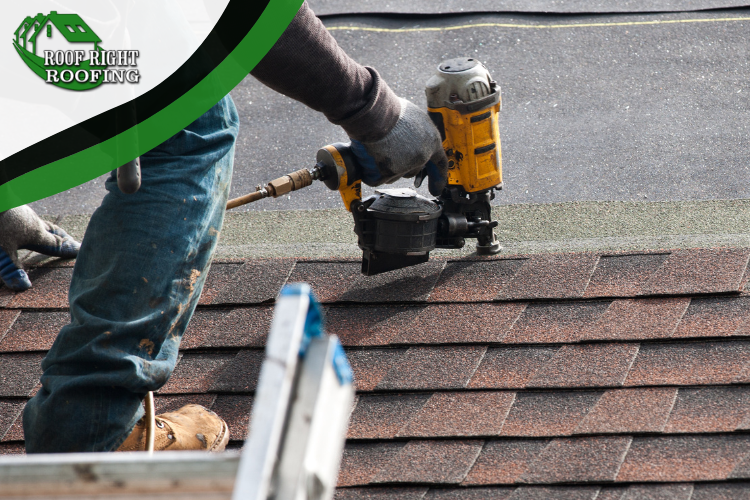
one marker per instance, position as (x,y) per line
(577,375)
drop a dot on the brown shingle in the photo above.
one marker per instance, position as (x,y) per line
(629,410)
(473,281)
(164,404)
(623,275)
(554,322)
(361,462)
(235,410)
(219,276)
(12,449)
(638,319)
(201,326)
(552,276)
(567,460)
(709,409)
(590,365)
(460,414)
(369,325)
(433,368)
(382,493)
(241,328)
(49,290)
(726,491)
(255,282)
(699,271)
(683,458)
(371,365)
(382,417)
(9,412)
(196,373)
(461,493)
(510,367)
(548,413)
(556,492)
(659,492)
(240,373)
(690,363)
(19,374)
(715,317)
(504,461)
(462,323)
(7,317)
(34,331)
(436,462)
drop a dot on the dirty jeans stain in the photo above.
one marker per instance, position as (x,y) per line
(135,285)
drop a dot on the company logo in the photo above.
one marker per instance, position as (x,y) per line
(64,51)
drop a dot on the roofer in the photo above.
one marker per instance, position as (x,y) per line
(144,258)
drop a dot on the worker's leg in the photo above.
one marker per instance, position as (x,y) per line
(135,285)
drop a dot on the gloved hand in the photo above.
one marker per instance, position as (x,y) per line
(413,144)
(21,228)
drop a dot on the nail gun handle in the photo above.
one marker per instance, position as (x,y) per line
(129,176)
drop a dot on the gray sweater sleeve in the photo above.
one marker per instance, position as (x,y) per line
(307,64)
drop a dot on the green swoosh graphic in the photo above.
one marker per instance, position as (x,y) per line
(90,163)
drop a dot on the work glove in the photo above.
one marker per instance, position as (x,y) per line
(21,228)
(412,147)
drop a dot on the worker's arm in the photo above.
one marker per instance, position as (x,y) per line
(21,228)
(391,136)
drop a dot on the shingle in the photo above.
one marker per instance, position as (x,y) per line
(659,492)
(473,281)
(510,367)
(361,462)
(165,404)
(10,409)
(201,326)
(556,492)
(612,492)
(683,458)
(623,275)
(371,365)
(504,461)
(742,470)
(637,319)
(255,282)
(692,363)
(49,290)
(19,374)
(235,410)
(219,276)
(462,323)
(196,373)
(369,325)
(411,284)
(494,493)
(554,322)
(15,432)
(329,280)
(548,413)
(34,331)
(433,368)
(715,317)
(377,416)
(435,462)
(405,493)
(709,409)
(567,460)
(12,449)
(589,365)
(247,327)
(718,491)
(699,271)
(629,410)
(241,373)
(460,414)
(7,317)
(551,276)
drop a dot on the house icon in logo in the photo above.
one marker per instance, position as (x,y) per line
(55,32)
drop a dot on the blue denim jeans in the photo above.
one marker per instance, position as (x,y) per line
(135,286)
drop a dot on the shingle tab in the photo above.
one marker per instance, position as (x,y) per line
(549,413)
(361,462)
(727,491)
(384,493)
(371,365)
(235,410)
(246,327)
(510,367)
(474,281)
(709,409)
(556,492)
(567,460)
(19,374)
(623,275)
(196,373)
(240,373)
(377,416)
(460,414)
(553,276)
(659,492)
(691,363)
(715,317)
(34,331)
(590,365)
(683,458)
(504,461)
(436,462)
(638,319)
(433,368)
(554,322)
(201,326)
(469,323)
(9,412)
(219,276)
(699,271)
(7,317)
(49,290)
(630,410)
(494,493)
(369,325)
(255,282)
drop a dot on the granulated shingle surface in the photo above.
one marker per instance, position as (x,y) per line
(547,376)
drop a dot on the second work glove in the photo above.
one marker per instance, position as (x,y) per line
(21,228)
(412,145)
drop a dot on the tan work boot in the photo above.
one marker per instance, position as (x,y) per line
(192,427)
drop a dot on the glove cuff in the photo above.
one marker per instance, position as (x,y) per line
(378,117)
